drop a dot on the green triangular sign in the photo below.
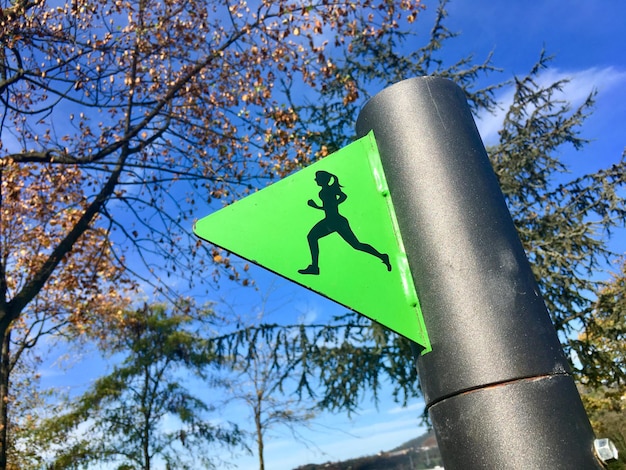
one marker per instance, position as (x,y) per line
(331,228)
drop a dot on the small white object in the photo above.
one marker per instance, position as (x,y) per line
(605,449)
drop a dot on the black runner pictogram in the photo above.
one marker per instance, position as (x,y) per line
(331,196)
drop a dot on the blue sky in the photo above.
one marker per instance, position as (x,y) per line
(587,39)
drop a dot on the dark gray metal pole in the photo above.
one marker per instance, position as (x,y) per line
(497,386)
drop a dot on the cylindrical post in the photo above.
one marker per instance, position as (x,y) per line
(497,385)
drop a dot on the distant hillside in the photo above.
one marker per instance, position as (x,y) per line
(426,440)
(420,453)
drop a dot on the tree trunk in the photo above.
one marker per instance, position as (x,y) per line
(259,434)
(5,339)
(5,360)
(146,411)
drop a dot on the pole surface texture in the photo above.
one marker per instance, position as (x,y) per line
(497,385)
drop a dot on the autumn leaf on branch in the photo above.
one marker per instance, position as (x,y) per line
(121,120)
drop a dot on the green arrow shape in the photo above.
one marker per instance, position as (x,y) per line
(341,205)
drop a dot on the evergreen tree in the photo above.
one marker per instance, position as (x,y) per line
(603,359)
(565,224)
(190,99)
(141,415)
(121,118)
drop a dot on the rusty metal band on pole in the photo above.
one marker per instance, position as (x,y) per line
(497,385)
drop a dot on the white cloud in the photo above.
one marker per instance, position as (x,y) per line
(368,440)
(385,427)
(417,407)
(308,315)
(581,84)
(365,434)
